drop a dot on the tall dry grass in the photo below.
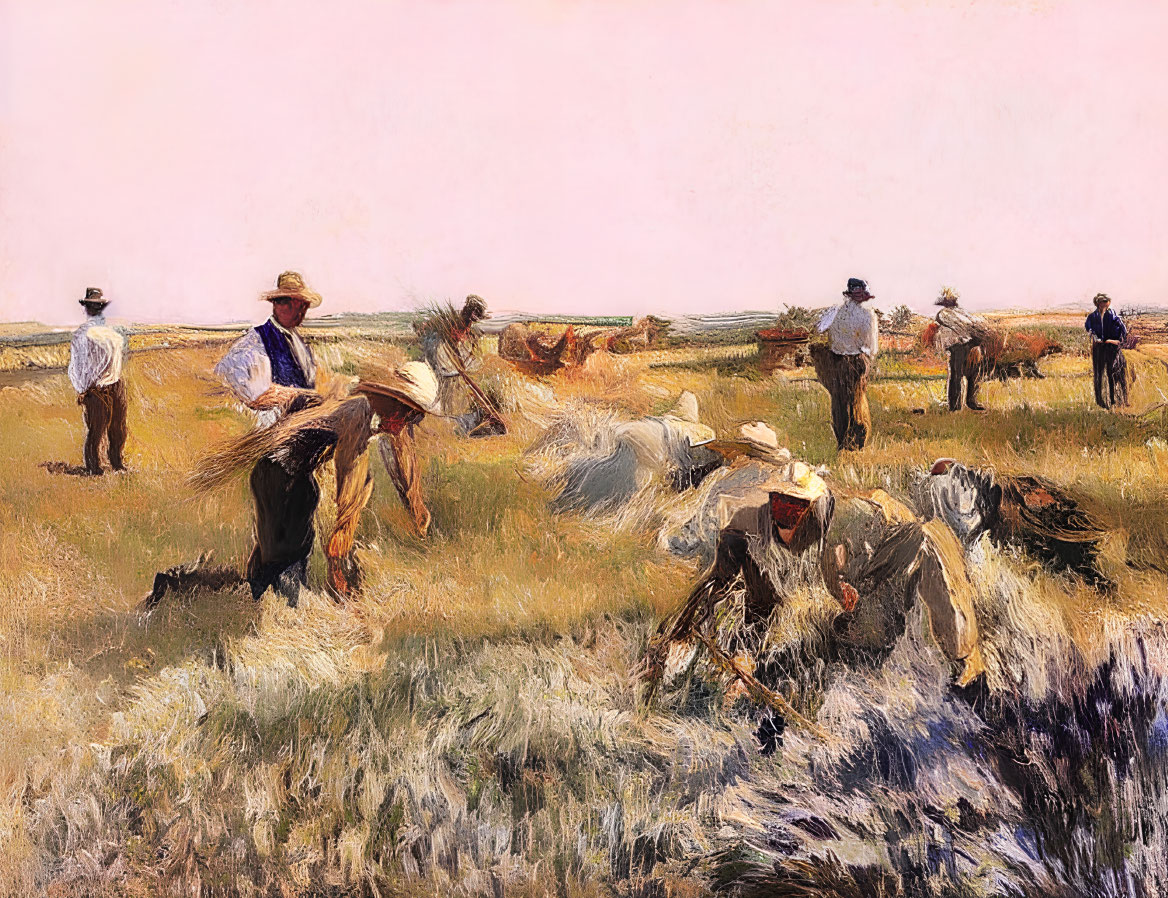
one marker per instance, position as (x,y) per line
(469,725)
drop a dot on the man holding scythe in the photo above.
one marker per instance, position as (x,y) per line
(450,345)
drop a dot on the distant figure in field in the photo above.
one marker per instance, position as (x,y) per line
(271,370)
(450,342)
(1108,333)
(969,340)
(842,366)
(95,370)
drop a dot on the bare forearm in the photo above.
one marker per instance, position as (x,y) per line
(279,396)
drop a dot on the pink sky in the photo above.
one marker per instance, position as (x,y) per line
(607,157)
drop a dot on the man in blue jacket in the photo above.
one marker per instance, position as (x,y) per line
(1108,334)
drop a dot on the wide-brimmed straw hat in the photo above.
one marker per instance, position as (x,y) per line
(756,440)
(804,483)
(413,384)
(93,297)
(291,285)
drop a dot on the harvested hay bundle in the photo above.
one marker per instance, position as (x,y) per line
(447,323)
(189,578)
(1050,524)
(285,440)
(1020,509)
(643,334)
(536,350)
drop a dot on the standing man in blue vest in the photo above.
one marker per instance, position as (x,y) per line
(271,370)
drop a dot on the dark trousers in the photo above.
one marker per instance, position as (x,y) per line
(286,496)
(846,380)
(961,369)
(1110,370)
(105,414)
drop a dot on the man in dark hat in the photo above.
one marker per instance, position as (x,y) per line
(1108,334)
(272,371)
(842,366)
(96,354)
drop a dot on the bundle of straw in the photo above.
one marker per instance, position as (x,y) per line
(240,455)
(443,319)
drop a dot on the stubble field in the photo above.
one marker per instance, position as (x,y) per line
(470,723)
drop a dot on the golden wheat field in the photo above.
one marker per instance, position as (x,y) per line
(470,723)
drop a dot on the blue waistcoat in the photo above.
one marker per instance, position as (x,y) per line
(286,370)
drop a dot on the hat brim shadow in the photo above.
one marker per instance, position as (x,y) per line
(379,394)
(313,299)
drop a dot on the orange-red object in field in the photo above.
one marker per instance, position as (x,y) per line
(798,335)
(788,511)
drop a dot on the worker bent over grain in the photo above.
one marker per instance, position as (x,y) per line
(401,403)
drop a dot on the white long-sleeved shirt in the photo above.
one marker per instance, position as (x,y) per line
(247,370)
(95,355)
(851,328)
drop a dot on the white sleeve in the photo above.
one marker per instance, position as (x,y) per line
(827,318)
(246,368)
(871,344)
(79,363)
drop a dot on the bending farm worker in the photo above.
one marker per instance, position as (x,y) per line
(402,403)
(959,333)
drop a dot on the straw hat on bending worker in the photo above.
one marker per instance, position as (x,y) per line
(410,393)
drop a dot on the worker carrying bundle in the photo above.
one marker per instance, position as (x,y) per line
(972,346)
(452,346)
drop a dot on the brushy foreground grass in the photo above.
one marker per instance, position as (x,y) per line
(470,724)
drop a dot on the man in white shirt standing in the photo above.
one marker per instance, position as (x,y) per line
(842,366)
(95,370)
(271,370)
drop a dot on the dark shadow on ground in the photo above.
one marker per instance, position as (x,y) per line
(124,645)
(63,467)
